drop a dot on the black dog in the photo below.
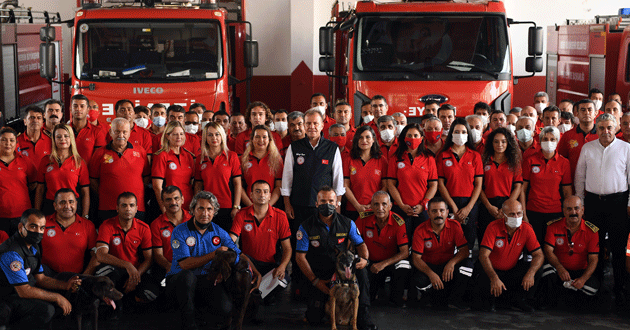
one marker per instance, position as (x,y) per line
(237,279)
(87,298)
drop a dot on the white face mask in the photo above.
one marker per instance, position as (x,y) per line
(598,104)
(387,135)
(203,124)
(548,146)
(159,121)
(322,109)
(564,128)
(200,115)
(399,128)
(368,118)
(460,139)
(281,126)
(192,128)
(272,126)
(485,120)
(514,222)
(476,135)
(540,107)
(141,122)
(511,128)
(524,135)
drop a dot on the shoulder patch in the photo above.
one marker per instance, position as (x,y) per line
(592,226)
(365,214)
(400,221)
(553,221)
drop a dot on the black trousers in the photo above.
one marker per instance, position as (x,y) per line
(470,228)
(29,314)
(148,289)
(610,215)
(539,221)
(301,213)
(399,274)
(552,286)
(194,293)
(484,216)
(511,278)
(453,289)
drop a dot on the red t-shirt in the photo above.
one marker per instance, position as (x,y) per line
(545,178)
(459,174)
(258,169)
(216,175)
(242,140)
(35,151)
(67,175)
(498,179)
(176,170)
(258,240)
(118,173)
(505,252)
(571,143)
(585,241)
(412,177)
(192,143)
(139,137)
(64,249)
(161,230)
(14,180)
(385,243)
(88,139)
(438,249)
(365,179)
(123,245)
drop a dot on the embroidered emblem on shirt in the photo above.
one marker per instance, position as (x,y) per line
(51,232)
(166,233)
(300,160)
(340,240)
(487,168)
(249,227)
(216,240)
(49,168)
(203,167)
(573,143)
(369,234)
(16,266)
(315,243)
(27,271)
(559,241)
(299,235)
(108,159)
(448,163)
(172,166)
(25,153)
(249,165)
(353,170)
(116,241)
(325,161)
(428,244)
(401,165)
(535,169)
(190,241)
(499,243)
(175,244)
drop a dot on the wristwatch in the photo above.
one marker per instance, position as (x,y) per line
(338,203)
(87,216)
(238,207)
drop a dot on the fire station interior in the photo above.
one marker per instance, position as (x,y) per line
(288,71)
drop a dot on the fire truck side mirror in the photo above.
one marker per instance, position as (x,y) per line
(326,45)
(47,33)
(534,64)
(47,60)
(535,41)
(326,64)
(251,53)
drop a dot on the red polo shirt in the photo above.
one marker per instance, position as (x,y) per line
(438,249)
(534,148)
(585,241)
(459,174)
(545,178)
(14,180)
(88,139)
(123,245)
(56,176)
(161,230)
(139,137)
(192,143)
(506,251)
(242,140)
(231,143)
(389,152)
(216,175)
(349,137)
(118,173)
(258,240)
(175,170)
(481,146)
(64,249)
(386,242)
(498,179)
(35,151)
(365,178)
(571,143)
(286,142)
(412,177)
(258,169)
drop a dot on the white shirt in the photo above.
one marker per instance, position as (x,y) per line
(603,171)
(337,167)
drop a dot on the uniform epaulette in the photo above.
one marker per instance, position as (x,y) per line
(400,221)
(188,151)
(592,226)
(365,214)
(553,221)
(47,133)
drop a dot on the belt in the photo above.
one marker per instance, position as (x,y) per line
(608,197)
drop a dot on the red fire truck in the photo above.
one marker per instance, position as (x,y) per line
(585,54)
(453,51)
(180,52)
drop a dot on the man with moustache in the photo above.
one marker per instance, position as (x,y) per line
(295,127)
(53,113)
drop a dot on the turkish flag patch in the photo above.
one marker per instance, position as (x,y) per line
(340,240)
(325,161)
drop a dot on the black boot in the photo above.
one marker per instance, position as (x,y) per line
(364,321)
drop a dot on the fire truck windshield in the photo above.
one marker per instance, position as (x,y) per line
(148,51)
(447,47)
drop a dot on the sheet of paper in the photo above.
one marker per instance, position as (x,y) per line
(268,283)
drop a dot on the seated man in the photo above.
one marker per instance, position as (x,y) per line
(571,247)
(31,306)
(69,238)
(123,248)
(501,269)
(195,243)
(385,235)
(317,236)
(442,272)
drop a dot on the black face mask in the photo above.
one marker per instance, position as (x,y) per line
(326,210)
(202,226)
(33,237)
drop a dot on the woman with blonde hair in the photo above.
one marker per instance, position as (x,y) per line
(173,165)
(216,169)
(261,161)
(63,168)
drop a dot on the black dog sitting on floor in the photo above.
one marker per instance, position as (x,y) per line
(237,279)
(92,291)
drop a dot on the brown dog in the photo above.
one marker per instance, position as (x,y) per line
(343,304)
